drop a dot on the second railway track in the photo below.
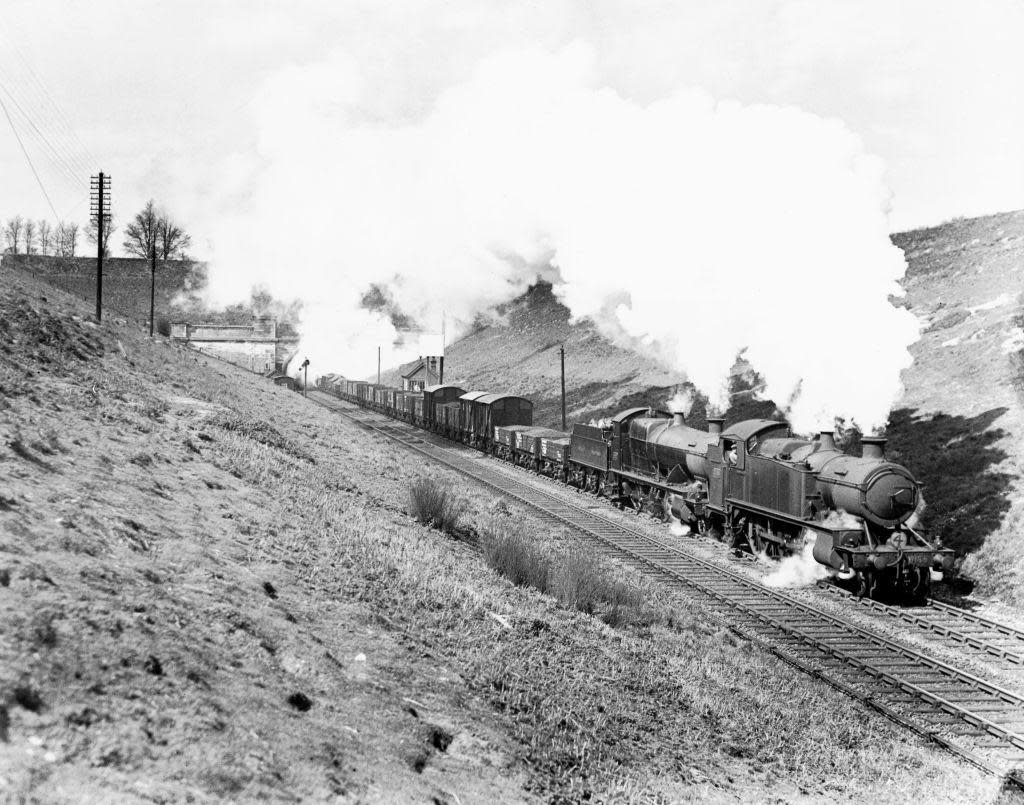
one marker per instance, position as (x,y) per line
(972,717)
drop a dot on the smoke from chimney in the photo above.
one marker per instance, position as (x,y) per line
(507,179)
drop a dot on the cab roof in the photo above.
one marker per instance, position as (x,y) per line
(629,413)
(741,431)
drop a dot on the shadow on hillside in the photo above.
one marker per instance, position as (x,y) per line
(953,457)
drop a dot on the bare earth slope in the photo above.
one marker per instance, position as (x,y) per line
(959,426)
(211,590)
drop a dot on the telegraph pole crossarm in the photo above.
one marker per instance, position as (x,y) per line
(99,197)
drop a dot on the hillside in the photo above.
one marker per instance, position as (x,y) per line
(959,425)
(211,589)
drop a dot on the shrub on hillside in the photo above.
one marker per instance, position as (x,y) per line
(435,504)
(509,552)
(585,583)
(575,577)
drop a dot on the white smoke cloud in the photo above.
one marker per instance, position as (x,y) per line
(800,569)
(687,228)
(680,402)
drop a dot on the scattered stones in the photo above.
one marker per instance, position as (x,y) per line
(300,701)
(440,738)
(28,697)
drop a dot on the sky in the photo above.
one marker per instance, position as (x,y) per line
(161,94)
(673,168)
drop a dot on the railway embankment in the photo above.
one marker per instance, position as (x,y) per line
(211,588)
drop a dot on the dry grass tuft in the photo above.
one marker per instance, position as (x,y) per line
(574,576)
(260,432)
(436,505)
(508,551)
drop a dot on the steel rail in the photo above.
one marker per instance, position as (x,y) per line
(919,617)
(664,560)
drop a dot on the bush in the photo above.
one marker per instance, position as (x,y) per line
(576,577)
(509,552)
(435,504)
(586,584)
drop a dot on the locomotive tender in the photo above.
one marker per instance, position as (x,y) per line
(752,483)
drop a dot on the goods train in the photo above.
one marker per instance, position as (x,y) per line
(752,483)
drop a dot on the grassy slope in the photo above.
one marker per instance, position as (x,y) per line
(210,588)
(958,425)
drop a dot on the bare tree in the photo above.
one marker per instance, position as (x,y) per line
(108,230)
(12,234)
(28,230)
(140,236)
(45,236)
(153,226)
(66,239)
(172,241)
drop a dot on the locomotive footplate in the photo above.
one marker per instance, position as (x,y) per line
(881,557)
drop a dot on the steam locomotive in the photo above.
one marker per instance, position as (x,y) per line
(752,483)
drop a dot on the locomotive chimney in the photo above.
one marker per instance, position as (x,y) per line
(715,424)
(827,440)
(678,418)
(873,446)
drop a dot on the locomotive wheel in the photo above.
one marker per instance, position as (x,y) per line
(865,583)
(921,586)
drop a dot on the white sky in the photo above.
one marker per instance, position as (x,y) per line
(163,95)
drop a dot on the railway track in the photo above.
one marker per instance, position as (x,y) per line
(972,717)
(955,625)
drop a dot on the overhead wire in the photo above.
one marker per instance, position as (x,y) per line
(69,160)
(57,157)
(43,101)
(28,159)
(49,127)
(61,117)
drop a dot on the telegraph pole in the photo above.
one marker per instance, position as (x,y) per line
(152,286)
(561,353)
(99,187)
(378,366)
(305,376)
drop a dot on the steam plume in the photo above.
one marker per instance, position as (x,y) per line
(687,228)
(800,569)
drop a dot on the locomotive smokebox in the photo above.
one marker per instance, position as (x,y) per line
(873,447)
(827,440)
(678,418)
(715,424)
